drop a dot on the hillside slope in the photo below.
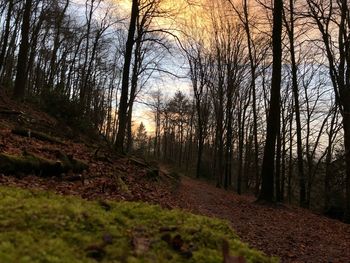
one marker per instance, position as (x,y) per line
(109,176)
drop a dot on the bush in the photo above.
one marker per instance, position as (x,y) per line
(67,110)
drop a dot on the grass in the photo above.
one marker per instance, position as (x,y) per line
(38,226)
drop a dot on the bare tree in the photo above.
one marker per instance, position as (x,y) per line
(123,105)
(333,22)
(273,120)
(21,76)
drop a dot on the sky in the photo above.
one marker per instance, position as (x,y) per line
(175,64)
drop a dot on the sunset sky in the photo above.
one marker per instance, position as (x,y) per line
(193,19)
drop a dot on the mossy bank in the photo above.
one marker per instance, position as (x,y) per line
(40,226)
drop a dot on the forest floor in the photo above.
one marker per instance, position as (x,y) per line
(291,233)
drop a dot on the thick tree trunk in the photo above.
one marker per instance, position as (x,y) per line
(273,120)
(346,126)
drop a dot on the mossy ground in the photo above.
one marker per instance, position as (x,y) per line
(40,226)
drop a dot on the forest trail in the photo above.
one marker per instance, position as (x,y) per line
(293,234)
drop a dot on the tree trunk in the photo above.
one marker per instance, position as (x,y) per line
(278,168)
(21,76)
(134,82)
(295,88)
(200,152)
(346,127)
(273,120)
(123,105)
(290,162)
(6,33)
(253,87)
(56,45)
(240,152)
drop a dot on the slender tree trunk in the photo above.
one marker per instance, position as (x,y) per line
(134,81)
(56,45)
(301,174)
(229,130)
(21,76)
(129,144)
(241,127)
(200,153)
(290,163)
(123,105)
(283,166)
(253,87)
(7,72)
(327,179)
(6,34)
(278,168)
(84,75)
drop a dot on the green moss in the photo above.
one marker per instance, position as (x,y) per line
(29,162)
(44,227)
(69,163)
(38,135)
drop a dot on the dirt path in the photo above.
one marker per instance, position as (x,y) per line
(293,234)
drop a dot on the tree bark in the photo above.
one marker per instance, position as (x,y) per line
(273,120)
(346,127)
(21,76)
(295,88)
(134,82)
(123,105)
(6,33)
